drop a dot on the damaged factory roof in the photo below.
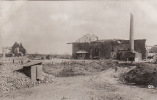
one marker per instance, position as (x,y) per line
(87,38)
(107,40)
(104,40)
(91,38)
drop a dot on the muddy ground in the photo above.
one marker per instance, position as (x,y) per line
(92,84)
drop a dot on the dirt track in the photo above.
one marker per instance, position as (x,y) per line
(100,86)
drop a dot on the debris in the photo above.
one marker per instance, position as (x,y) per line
(143,74)
(13,78)
(151,87)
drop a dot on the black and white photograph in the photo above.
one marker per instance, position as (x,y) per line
(78,50)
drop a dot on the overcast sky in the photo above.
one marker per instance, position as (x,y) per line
(47,26)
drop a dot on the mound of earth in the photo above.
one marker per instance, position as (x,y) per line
(75,68)
(143,74)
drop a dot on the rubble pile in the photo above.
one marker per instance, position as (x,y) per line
(11,78)
(143,74)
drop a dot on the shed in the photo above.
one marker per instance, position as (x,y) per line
(33,70)
(82,54)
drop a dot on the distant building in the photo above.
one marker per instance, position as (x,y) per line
(16,50)
(153,49)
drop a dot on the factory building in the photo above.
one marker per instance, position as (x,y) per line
(90,47)
(105,49)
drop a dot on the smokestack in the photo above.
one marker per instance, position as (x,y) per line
(131,33)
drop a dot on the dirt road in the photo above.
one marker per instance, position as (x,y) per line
(100,86)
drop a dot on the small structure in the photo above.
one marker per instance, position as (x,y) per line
(33,70)
(82,54)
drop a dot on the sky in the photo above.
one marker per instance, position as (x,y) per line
(47,26)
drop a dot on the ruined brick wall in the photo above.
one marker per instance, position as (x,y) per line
(105,48)
(140,47)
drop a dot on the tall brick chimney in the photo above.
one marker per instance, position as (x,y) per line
(131,33)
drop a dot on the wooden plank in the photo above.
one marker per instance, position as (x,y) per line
(32,64)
